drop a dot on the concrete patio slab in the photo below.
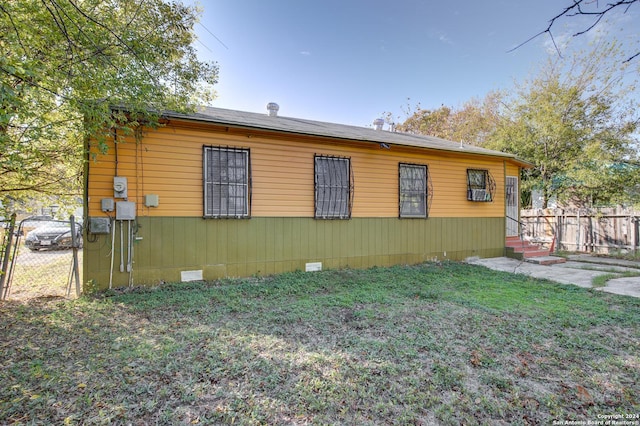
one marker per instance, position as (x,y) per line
(572,272)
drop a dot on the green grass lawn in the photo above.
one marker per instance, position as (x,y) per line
(429,344)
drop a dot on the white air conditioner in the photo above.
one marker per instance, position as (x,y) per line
(479,194)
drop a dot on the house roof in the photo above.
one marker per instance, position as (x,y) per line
(252,120)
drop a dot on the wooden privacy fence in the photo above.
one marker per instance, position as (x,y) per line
(583,230)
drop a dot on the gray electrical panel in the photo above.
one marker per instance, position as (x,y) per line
(125,210)
(99,225)
(151,200)
(107,205)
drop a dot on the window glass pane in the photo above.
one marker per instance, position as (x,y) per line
(413,190)
(477,179)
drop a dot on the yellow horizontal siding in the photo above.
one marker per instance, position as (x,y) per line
(168,162)
(512,170)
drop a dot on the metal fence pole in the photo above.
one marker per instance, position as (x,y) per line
(74,245)
(6,254)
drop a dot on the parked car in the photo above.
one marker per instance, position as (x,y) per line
(53,235)
(24,226)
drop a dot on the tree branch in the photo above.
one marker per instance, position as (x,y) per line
(15,28)
(576,10)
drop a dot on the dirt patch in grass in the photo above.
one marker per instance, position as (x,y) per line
(429,344)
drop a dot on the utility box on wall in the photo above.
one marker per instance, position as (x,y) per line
(107,205)
(99,225)
(151,200)
(125,210)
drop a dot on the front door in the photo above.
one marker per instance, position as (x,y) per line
(512,206)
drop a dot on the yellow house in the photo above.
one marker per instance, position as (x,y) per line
(224,193)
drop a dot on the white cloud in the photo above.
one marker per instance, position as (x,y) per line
(561,42)
(444,39)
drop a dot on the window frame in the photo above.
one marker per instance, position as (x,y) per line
(209,210)
(323,207)
(422,194)
(488,186)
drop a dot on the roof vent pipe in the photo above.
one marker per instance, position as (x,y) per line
(273,108)
(378,123)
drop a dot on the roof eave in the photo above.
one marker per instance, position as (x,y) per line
(202,118)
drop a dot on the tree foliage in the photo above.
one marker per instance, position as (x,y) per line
(65,63)
(472,123)
(576,121)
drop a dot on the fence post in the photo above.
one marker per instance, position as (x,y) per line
(74,245)
(592,242)
(634,233)
(556,231)
(6,254)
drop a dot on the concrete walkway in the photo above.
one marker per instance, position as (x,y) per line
(579,270)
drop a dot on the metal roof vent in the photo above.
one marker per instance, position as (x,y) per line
(378,123)
(273,108)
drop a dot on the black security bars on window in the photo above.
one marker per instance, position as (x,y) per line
(333,187)
(226,182)
(480,185)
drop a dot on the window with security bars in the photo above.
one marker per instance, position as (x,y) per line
(480,185)
(226,182)
(332,187)
(413,190)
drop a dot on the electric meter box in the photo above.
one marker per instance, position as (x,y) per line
(119,187)
(99,225)
(125,210)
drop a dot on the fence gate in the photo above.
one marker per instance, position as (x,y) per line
(43,258)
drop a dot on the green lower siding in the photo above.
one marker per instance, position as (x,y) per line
(166,246)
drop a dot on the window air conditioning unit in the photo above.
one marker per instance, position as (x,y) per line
(479,194)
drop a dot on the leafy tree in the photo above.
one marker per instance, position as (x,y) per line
(428,122)
(65,63)
(472,123)
(577,122)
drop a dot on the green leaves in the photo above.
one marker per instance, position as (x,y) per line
(67,60)
(470,124)
(575,121)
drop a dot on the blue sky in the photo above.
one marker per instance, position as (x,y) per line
(350,61)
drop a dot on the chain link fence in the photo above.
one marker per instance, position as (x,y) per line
(43,258)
